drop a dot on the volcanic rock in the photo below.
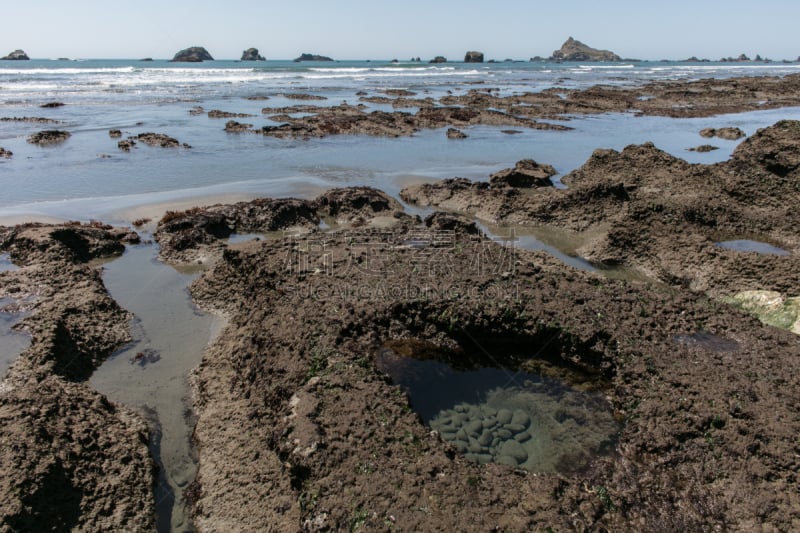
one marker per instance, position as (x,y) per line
(251,54)
(16,55)
(194,54)
(573,50)
(473,57)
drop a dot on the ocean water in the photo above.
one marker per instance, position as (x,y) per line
(89,177)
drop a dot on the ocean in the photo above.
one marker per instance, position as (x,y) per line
(88,177)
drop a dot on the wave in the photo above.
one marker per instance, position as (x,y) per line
(606,67)
(56,70)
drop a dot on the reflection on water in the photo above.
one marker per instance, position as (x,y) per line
(504,416)
(150,374)
(744,245)
(6,264)
(12,343)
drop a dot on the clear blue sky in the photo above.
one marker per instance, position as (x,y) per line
(376,29)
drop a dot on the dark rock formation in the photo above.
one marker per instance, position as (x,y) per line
(236,127)
(216,113)
(527,173)
(251,54)
(453,133)
(30,120)
(703,148)
(195,54)
(160,140)
(49,137)
(5,154)
(115,134)
(438,59)
(473,57)
(444,221)
(729,134)
(126,144)
(52,105)
(311,57)
(16,55)
(573,50)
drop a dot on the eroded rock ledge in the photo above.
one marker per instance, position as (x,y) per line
(647,209)
(70,459)
(293,411)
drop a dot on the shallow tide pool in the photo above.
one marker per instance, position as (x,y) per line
(151,374)
(504,416)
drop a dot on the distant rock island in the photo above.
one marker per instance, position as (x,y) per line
(194,54)
(251,54)
(16,55)
(473,57)
(438,59)
(312,57)
(573,50)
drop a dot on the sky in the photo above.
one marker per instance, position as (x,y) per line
(377,29)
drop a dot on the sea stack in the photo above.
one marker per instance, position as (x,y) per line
(195,54)
(438,59)
(573,50)
(473,57)
(311,57)
(16,55)
(251,54)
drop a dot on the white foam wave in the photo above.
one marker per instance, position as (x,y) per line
(62,71)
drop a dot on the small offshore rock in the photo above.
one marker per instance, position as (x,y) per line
(126,145)
(51,105)
(438,59)
(311,57)
(453,133)
(194,54)
(574,50)
(703,148)
(16,55)
(729,134)
(473,57)
(5,154)
(251,54)
(49,137)
(216,113)
(159,140)
(114,134)
(237,127)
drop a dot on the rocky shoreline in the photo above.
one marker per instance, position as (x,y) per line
(545,110)
(293,402)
